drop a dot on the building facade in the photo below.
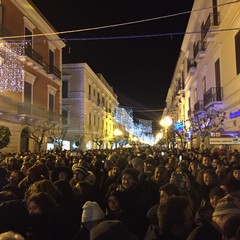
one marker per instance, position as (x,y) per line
(89,103)
(30,71)
(207,73)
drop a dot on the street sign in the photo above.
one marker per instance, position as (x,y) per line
(224,140)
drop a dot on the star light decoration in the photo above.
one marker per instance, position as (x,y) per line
(11,67)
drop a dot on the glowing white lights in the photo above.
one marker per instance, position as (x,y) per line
(11,67)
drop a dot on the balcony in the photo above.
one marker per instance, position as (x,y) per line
(191,65)
(209,28)
(199,50)
(213,96)
(199,107)
(30,111)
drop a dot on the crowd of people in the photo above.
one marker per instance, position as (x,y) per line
(140,193)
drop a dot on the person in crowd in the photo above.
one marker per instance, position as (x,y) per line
(136,198)
(186,185)
(53,219)
(159,178)
(35,173)
(45,186)
(232,181)
(111,229)
(92,214)
(226,207)
(231,228)
(80,174)
(15,177)
(14,217)
(175,218)
(10,235)
(116,210)
(3,177)
(205,211)
(165,191)
(207,181)
(61,173)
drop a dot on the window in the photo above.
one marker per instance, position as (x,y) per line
(64,116)
(51,98)
(218,80)
(204,87)
(89,91)
(51,103)
(90,119)
(237,49)
(29,80)
(65,89)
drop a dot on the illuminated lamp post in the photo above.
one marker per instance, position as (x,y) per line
(166,122)
(117,135)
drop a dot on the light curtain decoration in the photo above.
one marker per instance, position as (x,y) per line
(11,67)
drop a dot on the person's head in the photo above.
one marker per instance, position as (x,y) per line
(226,207)
(166,191)
(208,177)
(138,164)
(92,214)
(80,173)
(215,195)
(206,161)
(115,201)
(236,171)
(129,178)
(160,173)
(41,203)
(175,216)
(16,176)
(10,235)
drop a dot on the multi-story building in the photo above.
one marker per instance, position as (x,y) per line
(88,107)
(30,71)
(207,74)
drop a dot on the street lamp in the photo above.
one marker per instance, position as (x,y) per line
(166,122)
(117,133)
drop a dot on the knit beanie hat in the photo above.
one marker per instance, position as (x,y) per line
(226,205)
(132,172)
(91,212)
(82,170)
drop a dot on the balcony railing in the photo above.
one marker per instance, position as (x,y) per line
(39,59)
(212,22)
(199,48)
(191,64)
(32,111)
(214,94)
(198,106)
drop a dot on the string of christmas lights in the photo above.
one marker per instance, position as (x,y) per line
(11,67)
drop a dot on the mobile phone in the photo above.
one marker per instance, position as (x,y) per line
(180,158)
(162,153)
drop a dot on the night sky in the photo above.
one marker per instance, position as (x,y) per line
(139,69)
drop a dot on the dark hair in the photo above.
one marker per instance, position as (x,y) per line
(171,212)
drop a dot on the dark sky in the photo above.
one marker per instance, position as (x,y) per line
(139,69)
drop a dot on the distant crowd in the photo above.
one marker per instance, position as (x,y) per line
(139,193)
